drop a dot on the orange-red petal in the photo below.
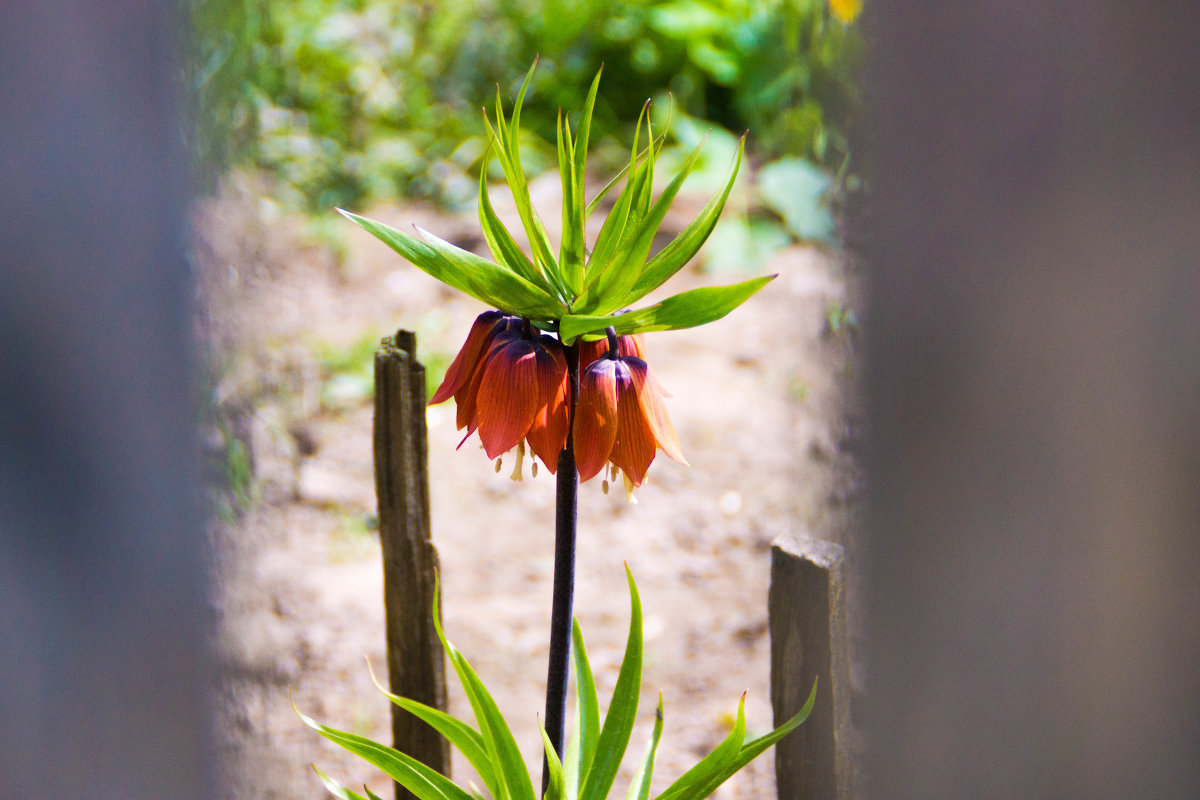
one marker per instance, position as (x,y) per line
(548,433)
(649,396)
(633,449)
(466,398)
(458,374)
(508,396)
(595,428)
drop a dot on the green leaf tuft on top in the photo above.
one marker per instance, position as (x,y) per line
(569,288)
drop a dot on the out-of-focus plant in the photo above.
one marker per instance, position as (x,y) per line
(351,102)
(589,765)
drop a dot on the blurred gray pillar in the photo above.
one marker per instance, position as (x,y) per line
(1034,390)
(103,670)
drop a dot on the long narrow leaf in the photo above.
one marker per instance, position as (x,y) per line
(461,735)
(612,231)
(497,787)
(512,780)
(639,787)
(513,773)
(574,234)
(749,751)
(502,244)
(622,709)
(684,310)
(423,781)
(611,288)
(612,183)
(570,256)
(507,136)
(555,785)
(335,788)
(680,250)
(465,271)
(587,729)
(713,763)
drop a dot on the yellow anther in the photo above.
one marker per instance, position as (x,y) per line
(516,473)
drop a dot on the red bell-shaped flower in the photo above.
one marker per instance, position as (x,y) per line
(620,417)
(511,386)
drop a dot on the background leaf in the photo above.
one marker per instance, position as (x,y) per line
(798,191)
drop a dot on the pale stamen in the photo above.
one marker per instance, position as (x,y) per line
(516,473)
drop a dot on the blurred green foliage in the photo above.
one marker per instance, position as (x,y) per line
(345,102)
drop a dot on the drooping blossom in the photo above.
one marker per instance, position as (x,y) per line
(510,384)
(620,418)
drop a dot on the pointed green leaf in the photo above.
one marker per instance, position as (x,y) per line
(749,751)
(585,131)
(622,709)
(504,247)
(617,239)
(684,247)
(639,787)
(570,761)
(608,187)
(461,735)
(610,290)
(508,146)
(501,744)
(512,781)
(571,249)
(465,271)
(335,788)
(587,728)
(684,310)
(713,763)
(555,785)
(421,780)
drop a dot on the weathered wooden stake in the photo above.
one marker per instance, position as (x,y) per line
(807,620)
(416,665)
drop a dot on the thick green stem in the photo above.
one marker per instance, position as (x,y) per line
(561,612)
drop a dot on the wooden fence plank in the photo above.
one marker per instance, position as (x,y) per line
(807,621)
(416,665)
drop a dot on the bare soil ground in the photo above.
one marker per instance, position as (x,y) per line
(760,402)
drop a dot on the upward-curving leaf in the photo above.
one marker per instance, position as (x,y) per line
(622,709)
(502,244)
(461,735)
(683,248)
(512,778)
(639,787)
(508,146)
(684,310)
(488,282)
(712,764)
(610,290)
(748,752)
(423,781)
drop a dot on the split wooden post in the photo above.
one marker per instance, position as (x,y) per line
(416,665)
(807,621)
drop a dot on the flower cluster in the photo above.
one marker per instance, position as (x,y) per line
(511,384)
(620,419)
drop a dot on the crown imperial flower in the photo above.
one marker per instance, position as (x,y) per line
(620,418)
(511,382)
(510,385)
